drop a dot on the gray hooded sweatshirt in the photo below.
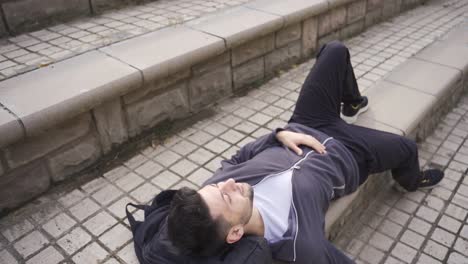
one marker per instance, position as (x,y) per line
(317,179)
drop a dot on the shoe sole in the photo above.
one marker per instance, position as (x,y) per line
(398,187)
(353,119)
(429,187)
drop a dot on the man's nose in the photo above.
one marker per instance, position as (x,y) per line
(228,185)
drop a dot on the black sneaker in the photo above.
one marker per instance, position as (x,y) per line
(430,178)
(350,112)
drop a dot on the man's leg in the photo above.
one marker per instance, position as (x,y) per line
(330,82)
(380,151)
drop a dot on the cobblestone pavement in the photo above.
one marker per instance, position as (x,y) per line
(86,224)
(29,51)
(423,227)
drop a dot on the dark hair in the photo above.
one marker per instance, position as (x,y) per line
(191,228)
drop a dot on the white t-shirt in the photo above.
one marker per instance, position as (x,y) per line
(273,197)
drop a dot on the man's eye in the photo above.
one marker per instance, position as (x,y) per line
(227,198)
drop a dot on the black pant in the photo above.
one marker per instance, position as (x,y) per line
(332,81)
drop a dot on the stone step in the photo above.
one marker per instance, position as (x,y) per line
(119,92)
(20,16)
(82,222)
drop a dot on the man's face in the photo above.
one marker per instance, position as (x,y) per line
(229,199)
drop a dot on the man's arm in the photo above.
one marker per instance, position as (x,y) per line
(251,149)
(288,138)
(293,140)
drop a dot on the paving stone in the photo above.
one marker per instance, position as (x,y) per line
(184,147)
(201,156)
(6,257)
(145,193)
(456,258)
(412,239)
(93,253)
(184,167)
(435,250)
(107,194)
(214,164)
(59,225)
(200,176)
(84,209)
(47,256)
(443,237)
(389,228)
(419,226)
(16,230)
(354,247)
(112,261)
(381,241)
(464,232)
(149,169)
(456,212)
(99,223)
(30,244)
(434,202)
(74,240)
(442,193)
(71,198)
(398,216)
(406,205)
(460,201)
(423,258)
(427,213)
(127,254)
(404,252)
(461,245)
(46,209)
(217,145)
(129,181)
(246,127)
(200,137)
(185,184)
(449,224)
(116,237)
(167,158)
(135,161)
(371,255)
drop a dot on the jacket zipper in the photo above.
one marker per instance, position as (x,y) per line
(295,166)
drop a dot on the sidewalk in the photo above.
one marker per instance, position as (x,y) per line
(423,227)
(30,51)
(85,223)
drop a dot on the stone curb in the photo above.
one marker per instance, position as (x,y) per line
(122,90)
(406,102)
(154,61)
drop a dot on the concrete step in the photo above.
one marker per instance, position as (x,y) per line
(82,110)
(79,222)
(426,226)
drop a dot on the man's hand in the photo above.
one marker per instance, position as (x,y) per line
(293,140)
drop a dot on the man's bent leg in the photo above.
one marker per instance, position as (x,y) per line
(330,82)
(387,151)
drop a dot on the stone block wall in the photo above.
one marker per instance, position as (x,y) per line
(30,166)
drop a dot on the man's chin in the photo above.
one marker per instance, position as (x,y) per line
(250,192)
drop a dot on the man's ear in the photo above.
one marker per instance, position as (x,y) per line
(235,234)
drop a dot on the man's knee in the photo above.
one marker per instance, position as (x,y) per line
(334,47)
(334,51)
(410,146)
